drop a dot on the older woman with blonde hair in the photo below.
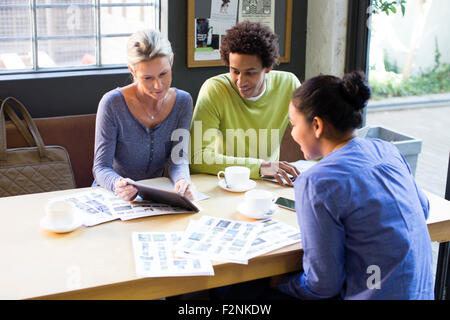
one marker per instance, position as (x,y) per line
(135,124)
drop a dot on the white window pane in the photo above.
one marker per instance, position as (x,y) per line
(21,2)
(15,55)
(126,19)
(66,34)
(15,35)
(66,31)
(114,50)
(64,2)
(14,22)
(66,53)
(65,21)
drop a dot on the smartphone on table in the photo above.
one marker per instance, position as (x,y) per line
(286,203)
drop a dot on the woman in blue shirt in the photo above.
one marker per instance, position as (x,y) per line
(144,126)
(360,212)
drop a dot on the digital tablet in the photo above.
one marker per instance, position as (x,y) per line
(158,195)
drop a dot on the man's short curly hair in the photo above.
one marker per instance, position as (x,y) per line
(251,38)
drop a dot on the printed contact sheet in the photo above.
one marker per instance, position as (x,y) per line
(100,205)
(219,239)
(274,235)
(154,256)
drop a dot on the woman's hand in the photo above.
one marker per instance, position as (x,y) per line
(124,190)
(185,187)
(278,170)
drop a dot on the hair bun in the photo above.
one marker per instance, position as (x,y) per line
(355,89)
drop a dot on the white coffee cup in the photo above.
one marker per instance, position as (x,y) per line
(60,213)
(259,202)
(235,177)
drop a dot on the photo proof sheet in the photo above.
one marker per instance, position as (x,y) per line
(274,235)
(100,205)
(219,239)
(235,241)
(154,256)
(93,206)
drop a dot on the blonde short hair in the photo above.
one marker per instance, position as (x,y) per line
(144,45)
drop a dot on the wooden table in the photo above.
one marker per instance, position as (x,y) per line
(97,262)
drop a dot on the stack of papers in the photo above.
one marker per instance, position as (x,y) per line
(235,241)
(189,253)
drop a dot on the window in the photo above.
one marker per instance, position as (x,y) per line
(409,72)
(49,35)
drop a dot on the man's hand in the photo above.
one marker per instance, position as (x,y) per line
(278,170)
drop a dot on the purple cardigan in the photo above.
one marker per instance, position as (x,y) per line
(124,147)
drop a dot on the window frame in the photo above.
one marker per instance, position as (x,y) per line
(36,72)
(358,39)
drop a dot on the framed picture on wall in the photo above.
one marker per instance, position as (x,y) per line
(208,21)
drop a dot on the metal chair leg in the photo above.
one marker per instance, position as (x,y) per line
(442,281)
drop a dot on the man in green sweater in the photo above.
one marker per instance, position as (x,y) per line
(241,116)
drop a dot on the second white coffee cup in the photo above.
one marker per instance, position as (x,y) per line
(60,213)
(235,177)
(259,202)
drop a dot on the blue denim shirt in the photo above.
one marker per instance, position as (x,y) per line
(124,147)
(362,221)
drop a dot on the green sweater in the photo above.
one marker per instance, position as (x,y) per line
(227,129)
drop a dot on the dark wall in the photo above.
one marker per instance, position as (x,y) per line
(58,95)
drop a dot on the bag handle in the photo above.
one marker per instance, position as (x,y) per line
(19,125)
(30,124)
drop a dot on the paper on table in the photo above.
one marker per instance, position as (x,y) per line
(93,206)
(220,239)
(99,205)
(142,208)
(154,256)
(181,253)
(273,236)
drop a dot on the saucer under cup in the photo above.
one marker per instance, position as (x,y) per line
(61,216)
(250,185)
(242,208)
(235,177)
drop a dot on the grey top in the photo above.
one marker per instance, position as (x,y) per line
(124,147)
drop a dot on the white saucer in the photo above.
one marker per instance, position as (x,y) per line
(250,185)
(242,208)
(46,224)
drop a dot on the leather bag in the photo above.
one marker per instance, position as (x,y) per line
(34,169)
